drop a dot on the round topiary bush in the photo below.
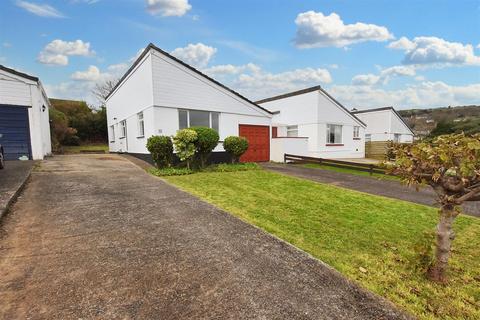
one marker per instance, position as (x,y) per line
(184,142)
(161,148)
(235,146)
(207,140)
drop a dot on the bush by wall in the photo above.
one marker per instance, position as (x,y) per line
(184,142)
(236,146)
(161,148)
(207,140)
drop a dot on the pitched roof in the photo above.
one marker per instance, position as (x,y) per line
(157,49)
(18,73)
(307,90)
(386,109)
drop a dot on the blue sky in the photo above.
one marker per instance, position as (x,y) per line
(365,53)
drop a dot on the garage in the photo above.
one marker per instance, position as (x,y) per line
(15,132)
(24,117)
(258,143)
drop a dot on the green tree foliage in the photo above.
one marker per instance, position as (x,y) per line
(161,148)
(184,142)
(207,140)
(443,127)
(450,164)
(235,146)
(61,133)
(91,124)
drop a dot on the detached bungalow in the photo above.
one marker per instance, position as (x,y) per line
(328,129)
(161,94)
(385,124)
(24,119)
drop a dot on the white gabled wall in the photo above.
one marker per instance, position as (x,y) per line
(14,91)
(311,112)
(383,124)
(177,86)
(133,95)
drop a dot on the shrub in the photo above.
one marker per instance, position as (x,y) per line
(164,172)
(184,142)
(235,146)
(161,148)
(227,167)
(207,140)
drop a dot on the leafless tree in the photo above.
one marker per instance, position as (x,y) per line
(103,89)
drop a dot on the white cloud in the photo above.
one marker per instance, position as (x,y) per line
(317,30)
(420,95)
(435,51)
(229,69)
(168,8)
(57,51)
(420,78)
(260,84)
(42,10)
(91,74)
(7,45)
(365,79)
(197,55)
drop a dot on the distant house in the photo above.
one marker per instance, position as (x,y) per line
(161,94)
(385,124)
(24,119)
(331,130)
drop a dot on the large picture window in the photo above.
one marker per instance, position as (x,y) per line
(197,118)
(334,134)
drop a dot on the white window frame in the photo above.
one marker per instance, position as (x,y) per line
(356,132)
(123,129)
(292,131)
(112,133)
(328,134)
(397,137)
(210,122)
(368,137)
(140,125)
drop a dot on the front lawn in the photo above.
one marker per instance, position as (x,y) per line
(103,148)
(373,240)
(378,176)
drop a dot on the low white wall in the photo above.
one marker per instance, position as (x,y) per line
(280,146)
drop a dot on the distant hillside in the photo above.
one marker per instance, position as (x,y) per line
(451,119)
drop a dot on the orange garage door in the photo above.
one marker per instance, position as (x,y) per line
(258,143)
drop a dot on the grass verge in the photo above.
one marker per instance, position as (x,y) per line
(378,242)
(223,167)
(351,171)
(85,148)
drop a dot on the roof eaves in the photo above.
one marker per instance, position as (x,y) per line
(289,94)
(18,73)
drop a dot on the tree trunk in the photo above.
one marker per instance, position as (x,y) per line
(445,236)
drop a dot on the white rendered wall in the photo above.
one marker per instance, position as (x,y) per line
(383,124)
(280,146)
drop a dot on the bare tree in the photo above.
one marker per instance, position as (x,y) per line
(103,89)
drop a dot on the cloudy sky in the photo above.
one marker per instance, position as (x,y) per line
(365,53)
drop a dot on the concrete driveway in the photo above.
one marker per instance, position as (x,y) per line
(95,237)
(12,179)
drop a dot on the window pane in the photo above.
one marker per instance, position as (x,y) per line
(215,116)
(182,119)
(334,133)
(292,131)
(338,134)
(199,118)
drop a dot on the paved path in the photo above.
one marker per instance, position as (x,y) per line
(96,237)
(12,179)
(386,188)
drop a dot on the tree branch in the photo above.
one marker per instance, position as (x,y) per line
(467,197)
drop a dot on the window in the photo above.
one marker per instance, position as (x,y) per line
(368,137)
(396,137)
(112,133)
(123,129)
(356,132)
(292,131)
(334,134)
(141,126)
(197,118)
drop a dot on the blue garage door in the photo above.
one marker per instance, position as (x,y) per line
(15,132)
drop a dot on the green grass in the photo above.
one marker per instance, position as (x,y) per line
(222,167)
(87,147)
(349,230)
(351,171)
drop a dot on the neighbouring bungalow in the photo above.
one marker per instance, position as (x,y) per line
(24,119)
(311,122)
(161,94)
(385,124)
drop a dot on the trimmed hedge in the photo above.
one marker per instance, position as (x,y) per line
(236,146)
(207,140)
(161,148)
